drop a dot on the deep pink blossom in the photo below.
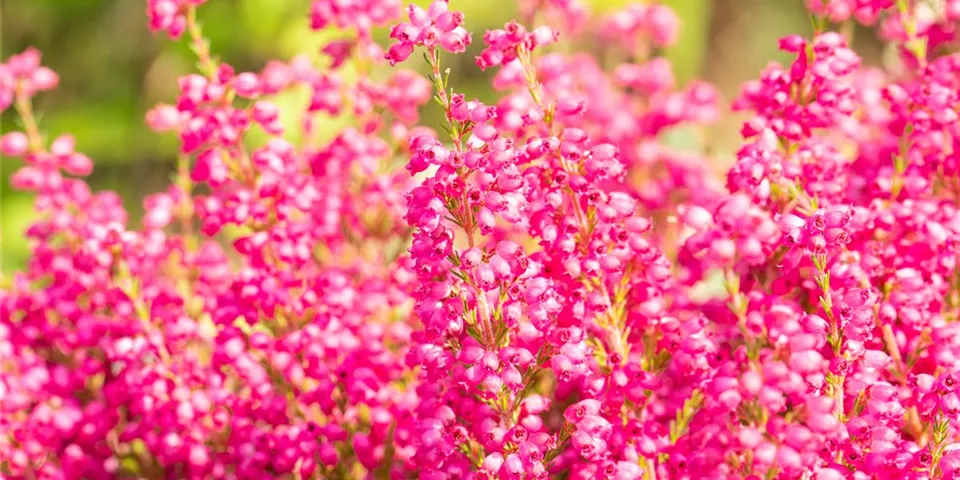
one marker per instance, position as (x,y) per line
(545,289)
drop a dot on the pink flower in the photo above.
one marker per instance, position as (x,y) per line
(418,302)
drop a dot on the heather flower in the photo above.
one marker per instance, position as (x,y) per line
(542,289)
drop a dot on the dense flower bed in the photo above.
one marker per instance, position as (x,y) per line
(522,293)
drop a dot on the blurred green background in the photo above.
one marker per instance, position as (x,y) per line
(112,70)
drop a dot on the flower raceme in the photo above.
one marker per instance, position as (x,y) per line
(527,295)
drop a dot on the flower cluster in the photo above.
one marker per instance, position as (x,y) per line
(429,28)
(543,290)
(170,16)
(363,15)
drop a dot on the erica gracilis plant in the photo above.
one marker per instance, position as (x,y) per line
(517,292)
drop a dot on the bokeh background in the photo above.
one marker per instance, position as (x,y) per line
(112,70)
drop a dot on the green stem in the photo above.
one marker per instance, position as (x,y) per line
(25,110)
(200,45)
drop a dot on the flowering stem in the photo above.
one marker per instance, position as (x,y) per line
(891,343)
(914,44)
(185,212)
(433,58)
(565,433)
(534,87)
(835,337)
(457,132)
(941,428)
(617,333)
(484,321)
(200,45)
(483,313)
(530,378)
(900,164)
(614,325)
(679,426)
(738,306)
(130,287)
(25,110)
(650,470)
(819,24)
